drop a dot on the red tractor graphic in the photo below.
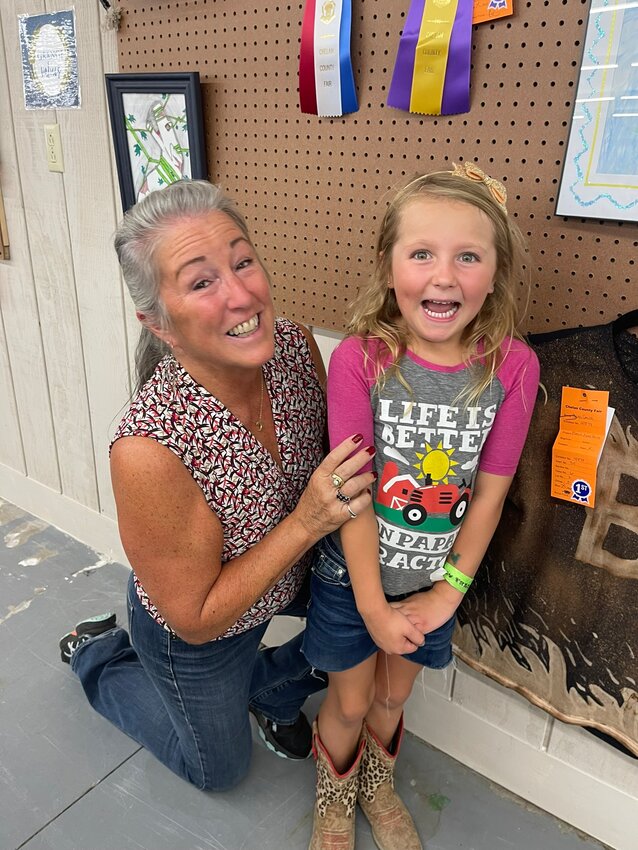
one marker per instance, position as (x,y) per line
(442,500)
(418,502)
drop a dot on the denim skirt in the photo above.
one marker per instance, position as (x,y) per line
(336,638)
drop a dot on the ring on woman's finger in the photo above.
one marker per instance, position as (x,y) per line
(342,497)
(352,513)
(337,480)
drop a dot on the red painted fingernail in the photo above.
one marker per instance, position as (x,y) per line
(375,474)
(371,450)
(357,438)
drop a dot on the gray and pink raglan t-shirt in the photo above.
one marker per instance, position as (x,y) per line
(429,446)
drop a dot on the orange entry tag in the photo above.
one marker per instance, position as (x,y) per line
(584,421)
(489,10)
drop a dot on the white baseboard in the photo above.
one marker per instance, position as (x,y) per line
(95,530)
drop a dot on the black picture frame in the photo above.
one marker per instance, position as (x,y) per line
(152,115)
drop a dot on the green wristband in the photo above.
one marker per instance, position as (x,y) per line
(456,578)
(456,584)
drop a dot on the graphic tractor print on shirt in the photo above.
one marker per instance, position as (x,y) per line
(425,486)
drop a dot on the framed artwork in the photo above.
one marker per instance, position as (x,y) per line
(158,132)
(600,171)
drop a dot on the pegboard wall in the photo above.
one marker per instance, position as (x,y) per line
(314,189)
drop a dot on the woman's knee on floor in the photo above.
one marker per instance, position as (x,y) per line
(224,775)
(225,783)
(216,757)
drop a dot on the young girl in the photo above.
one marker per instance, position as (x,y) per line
(435,373)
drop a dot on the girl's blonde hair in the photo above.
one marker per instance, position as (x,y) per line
(376,314)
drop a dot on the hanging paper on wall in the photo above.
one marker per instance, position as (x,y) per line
(49,60)
(490,10)
(584,422)
(432,70)
(326,81)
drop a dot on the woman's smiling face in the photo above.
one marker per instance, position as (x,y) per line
(216,296)
(443,268)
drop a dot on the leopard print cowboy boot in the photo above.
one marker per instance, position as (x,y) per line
(392,824)
(333,827)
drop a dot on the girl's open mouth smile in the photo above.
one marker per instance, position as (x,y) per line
(440,309)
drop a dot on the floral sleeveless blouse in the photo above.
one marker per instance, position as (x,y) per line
(242,483)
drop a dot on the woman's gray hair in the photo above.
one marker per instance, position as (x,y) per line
(137,238)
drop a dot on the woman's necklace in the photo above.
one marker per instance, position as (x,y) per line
(259,423)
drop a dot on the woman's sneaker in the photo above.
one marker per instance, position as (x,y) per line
(89,628)
(289,741)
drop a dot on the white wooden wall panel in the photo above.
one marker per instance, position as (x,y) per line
(11,451)
(19,307)
(48,233)
(97,530)
(132,326)
(10,443)
(439,681)
(515,715)
(91,209)
(584,752)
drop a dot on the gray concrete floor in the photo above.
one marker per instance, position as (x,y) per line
(71,781)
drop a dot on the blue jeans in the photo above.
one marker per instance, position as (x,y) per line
(336,637)
(188,704)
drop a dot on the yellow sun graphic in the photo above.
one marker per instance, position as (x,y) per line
(436,463)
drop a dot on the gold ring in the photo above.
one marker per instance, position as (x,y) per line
(337,480)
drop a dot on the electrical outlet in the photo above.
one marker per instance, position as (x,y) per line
(53,147)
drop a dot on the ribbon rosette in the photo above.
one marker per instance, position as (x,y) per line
(326,82)
(432,70)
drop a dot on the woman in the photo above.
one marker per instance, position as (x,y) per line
(221,495)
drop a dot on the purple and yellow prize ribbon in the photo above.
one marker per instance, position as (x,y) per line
(326,81)
(432,71)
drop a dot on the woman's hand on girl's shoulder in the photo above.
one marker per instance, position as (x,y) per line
(320,508)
